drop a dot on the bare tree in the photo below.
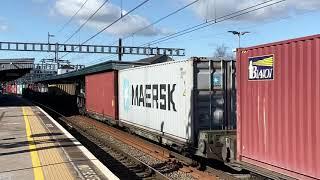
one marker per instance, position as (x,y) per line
(222,51)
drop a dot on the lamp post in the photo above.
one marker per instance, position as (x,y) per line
(232,107)
(239,34)
(56,48)
(49,36)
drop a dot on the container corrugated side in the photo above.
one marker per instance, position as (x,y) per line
(278,120)
(14,89)
(101,94)
(158,98)
(58,89)
(7,88)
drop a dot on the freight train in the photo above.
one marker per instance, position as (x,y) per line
(181,104)
(259,113)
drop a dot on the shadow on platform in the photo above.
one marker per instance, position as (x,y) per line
(46,165)
(7,100)
(9,145)
(37,149)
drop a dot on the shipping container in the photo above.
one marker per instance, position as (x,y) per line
(44,88)
(5,88)
(102,95)
(14,89)
(9,88)
(19,89)
(176,100)
(58,89)
(278,107)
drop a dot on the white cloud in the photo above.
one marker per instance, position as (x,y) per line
(206,8)
(105,16)
(3,27)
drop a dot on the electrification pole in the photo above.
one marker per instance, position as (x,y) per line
(49,36)
(120,50)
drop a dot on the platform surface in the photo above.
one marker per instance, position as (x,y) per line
(35,146)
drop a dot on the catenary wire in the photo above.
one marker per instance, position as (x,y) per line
(72,17)
(215,21)
(162,18)
(219,21)
(83,24)
(102,30)
(69,21)
(153,23)
(208,23)
(199,26)
(159,20)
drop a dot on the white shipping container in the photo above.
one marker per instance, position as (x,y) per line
(181,103)
(19,89)
(158,98)
(64,70)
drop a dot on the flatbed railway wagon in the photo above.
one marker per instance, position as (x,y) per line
(187,104)
(278,107)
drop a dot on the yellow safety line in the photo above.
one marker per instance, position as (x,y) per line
(37,170)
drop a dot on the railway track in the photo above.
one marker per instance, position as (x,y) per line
(159,152)
(123,164)
(131,157)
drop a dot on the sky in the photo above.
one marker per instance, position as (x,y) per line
(31,20)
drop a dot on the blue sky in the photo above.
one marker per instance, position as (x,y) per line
(31,20)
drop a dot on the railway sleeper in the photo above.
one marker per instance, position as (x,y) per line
(216,144)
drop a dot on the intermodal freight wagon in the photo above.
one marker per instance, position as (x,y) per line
(184,104)
(278,107)
(175,103)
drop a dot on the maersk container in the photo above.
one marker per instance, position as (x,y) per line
(278,96)
(176,101)
(102,95)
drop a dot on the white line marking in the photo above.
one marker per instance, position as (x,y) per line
(84,150)
(49,125)
(12,107)
(11,123)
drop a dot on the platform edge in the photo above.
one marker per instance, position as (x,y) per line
(83,149)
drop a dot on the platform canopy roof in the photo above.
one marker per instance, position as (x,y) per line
(102,67)
(11,69)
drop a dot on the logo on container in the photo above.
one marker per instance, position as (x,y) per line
(126,95)
(217,80)
(156,96)
(261,67)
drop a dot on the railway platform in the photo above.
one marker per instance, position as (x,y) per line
(34,146)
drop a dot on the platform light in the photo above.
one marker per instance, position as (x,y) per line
(239,34)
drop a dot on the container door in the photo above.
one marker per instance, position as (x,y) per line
(214,92)
(230,94)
